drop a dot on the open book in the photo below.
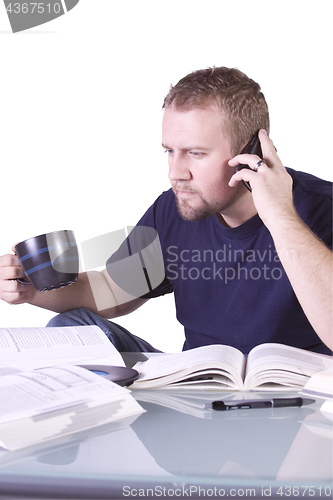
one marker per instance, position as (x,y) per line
(268,367)
(48,403)
(31,348)
(44,397)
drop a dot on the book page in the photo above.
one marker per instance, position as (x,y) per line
(212,356)
(37,347)
(289,359)
(279,353)
(26,394)
(51,403)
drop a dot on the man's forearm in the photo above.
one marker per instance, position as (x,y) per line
(73,296)
(309,266)
(94,291)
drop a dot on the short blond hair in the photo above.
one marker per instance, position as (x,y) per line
(244,107)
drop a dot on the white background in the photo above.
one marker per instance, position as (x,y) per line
(80,113)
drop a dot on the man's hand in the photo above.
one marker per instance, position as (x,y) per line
(11,291)
(271,184)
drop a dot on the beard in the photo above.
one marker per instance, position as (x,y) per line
(195,212)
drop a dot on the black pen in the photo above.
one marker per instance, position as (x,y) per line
(259,403)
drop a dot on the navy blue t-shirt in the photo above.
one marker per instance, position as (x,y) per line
(229,285)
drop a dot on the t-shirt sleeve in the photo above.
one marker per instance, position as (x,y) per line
(313,201)
(138,266)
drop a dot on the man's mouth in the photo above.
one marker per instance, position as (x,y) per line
(183,192)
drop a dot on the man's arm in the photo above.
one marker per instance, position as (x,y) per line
(93,290)
(307,261)
(308,264)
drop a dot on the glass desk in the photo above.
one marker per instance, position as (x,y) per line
(179,449)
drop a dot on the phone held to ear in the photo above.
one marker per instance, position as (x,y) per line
(252,148)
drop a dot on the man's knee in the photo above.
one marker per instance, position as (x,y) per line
(73,317)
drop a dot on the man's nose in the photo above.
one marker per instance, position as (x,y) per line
(178,168)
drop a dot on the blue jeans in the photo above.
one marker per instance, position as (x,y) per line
(121,338)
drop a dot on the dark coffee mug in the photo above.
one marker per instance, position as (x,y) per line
(49,260)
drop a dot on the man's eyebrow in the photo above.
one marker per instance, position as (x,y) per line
(200,148)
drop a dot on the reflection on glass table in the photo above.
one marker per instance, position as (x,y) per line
(178,441)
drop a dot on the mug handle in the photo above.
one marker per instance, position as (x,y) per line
(18,279)
(23,282)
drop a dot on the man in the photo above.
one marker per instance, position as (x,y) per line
(245,267)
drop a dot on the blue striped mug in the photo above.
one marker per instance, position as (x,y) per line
(49,260)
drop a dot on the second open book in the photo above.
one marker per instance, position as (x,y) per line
(267,367)
(44,397)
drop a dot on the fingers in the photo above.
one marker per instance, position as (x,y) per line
(14,298)
(12,287)
(247,159)
(269,151)
(10,267)
(242,175)
(11,291)
(255,163)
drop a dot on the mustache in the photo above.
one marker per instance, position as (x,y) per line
(183,187)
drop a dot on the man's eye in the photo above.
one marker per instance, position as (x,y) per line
(169,151)
(196,154)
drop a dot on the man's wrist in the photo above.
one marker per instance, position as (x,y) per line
(284,224)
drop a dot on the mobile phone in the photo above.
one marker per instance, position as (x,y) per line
(252,148)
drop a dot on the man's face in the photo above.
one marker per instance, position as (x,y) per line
(198,154)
